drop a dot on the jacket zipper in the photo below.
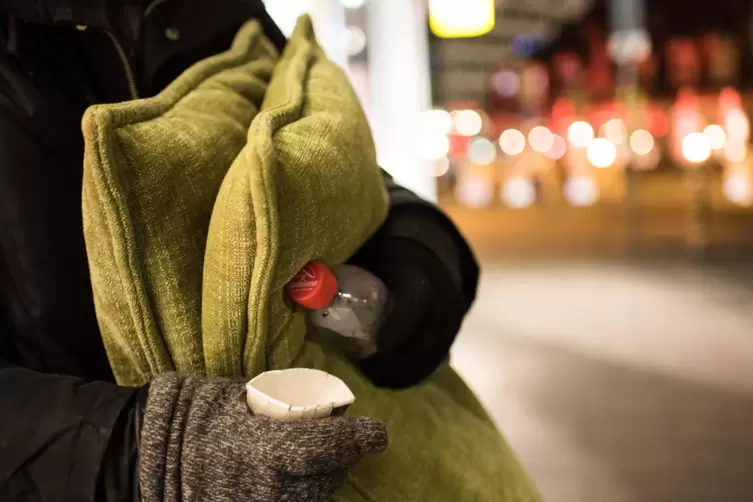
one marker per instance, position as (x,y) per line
(132,89)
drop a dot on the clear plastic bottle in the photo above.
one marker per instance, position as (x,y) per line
(348,301)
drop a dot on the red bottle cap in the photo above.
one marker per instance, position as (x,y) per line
(313,287)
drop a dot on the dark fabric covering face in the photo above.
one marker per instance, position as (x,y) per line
(64,438)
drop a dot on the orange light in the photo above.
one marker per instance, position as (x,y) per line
(601,153)
(729,99)
(695,148)
(641,142)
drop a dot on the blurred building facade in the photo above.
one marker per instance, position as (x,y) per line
(464,68)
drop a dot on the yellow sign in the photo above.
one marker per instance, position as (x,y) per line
(461,19)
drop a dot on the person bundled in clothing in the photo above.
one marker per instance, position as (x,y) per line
(67,431)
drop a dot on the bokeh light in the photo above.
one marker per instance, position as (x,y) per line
(467,122)
(581,191)
(475,192)
(601,153)
(440,167)
(695,148)
(482,151)
(715,136)
(736,151)
(518,192)
(737,124)
(647,161)
(356,40)
(737,188)
(658,123)
(437,121)
(512,142)
(729,99)
(453,19)
(558,148)
(615,131)
(435,146)
(353,4)
(580,134)
(641,142)
(540,138)
(506,83)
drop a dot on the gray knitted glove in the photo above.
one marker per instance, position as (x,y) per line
(200,443)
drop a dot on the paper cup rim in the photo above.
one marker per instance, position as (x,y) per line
(350,399)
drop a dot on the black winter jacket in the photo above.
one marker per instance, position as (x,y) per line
(67,432)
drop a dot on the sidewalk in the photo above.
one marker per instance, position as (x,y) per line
(599,231)
(619,383)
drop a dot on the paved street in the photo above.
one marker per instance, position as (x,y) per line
(619,383)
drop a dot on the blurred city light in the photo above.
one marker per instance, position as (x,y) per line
(695,148)
(647,161)
(475,192)
(467,122)
(441,167)
(353,4)
(580,134)
(729,99)
(356,40)
(629,46)
(737,188)
(435,146)
(581,191)
(518,192)
(512,142)
(736,123)
(506,83)
(641,142)
(482,151)
(562,111)
(615,131)
(524,46)
(541,139)
(715,136)
(736,151)
(453,19)
(601,153)
(437,121)
(558,148)
(658,123)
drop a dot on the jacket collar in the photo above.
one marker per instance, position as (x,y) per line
(197,21)
(76,12)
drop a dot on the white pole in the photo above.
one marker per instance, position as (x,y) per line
(398,56)
(328,17)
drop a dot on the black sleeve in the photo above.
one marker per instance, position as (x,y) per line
(416,219)
(56,433)
(62,438)
(432,276)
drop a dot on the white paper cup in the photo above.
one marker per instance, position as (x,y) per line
(298,394)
